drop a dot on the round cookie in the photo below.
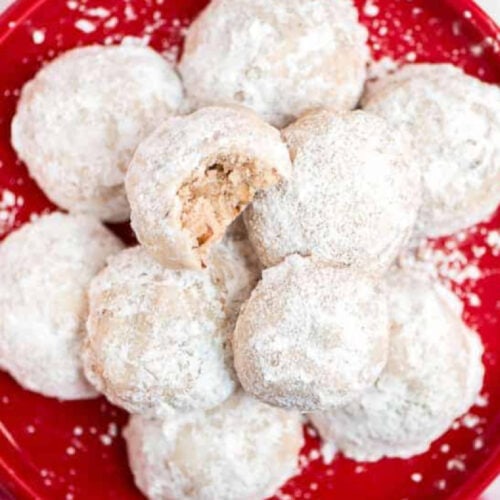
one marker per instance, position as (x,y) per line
(80,119)
(241,450)
(195,174)
(352,199)
(311,337)
(279,58)
(433,375)
(454,120)
(157,338)
(46,268)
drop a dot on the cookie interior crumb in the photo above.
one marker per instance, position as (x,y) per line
(217,193)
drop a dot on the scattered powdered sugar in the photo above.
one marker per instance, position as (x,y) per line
(478,443)
(456,464)
(371,9)
(470,420)
(111,23)
(416,477)
(311,431)
(493,241)
(441,484)
(85,25)
(130,14)
(482,401)
(98,12)
(10,204)
(458,261)
(384,27)
(112,430)
(445,448)
(328,452)
(38,36)
(114,22)
(105,439)
(105,436)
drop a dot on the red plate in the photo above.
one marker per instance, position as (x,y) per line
(58,450)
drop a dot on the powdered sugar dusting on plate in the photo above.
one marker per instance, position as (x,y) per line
(10,203)
(459,261)
(412,41)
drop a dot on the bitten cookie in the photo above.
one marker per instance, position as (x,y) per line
(195,174)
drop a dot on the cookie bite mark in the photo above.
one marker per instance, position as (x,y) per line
(195,174)
(214,196)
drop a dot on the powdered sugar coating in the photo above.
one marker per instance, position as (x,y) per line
(454,120)
(80,119)
(433,375)
(187,147)
(311,337)
(241,450)
(279,58)
(46,268)
(352,199)
(234,265)
(158,339)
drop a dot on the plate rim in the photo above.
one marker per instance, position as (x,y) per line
(477,482)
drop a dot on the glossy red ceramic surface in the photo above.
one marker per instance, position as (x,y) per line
(55,450)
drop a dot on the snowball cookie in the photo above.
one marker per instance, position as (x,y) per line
(242,450)
(80,119)
(279,58)
(158,338)
(433,375)
(353,197)
(46,268)
(195,174)
(311,336)
(454,120)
